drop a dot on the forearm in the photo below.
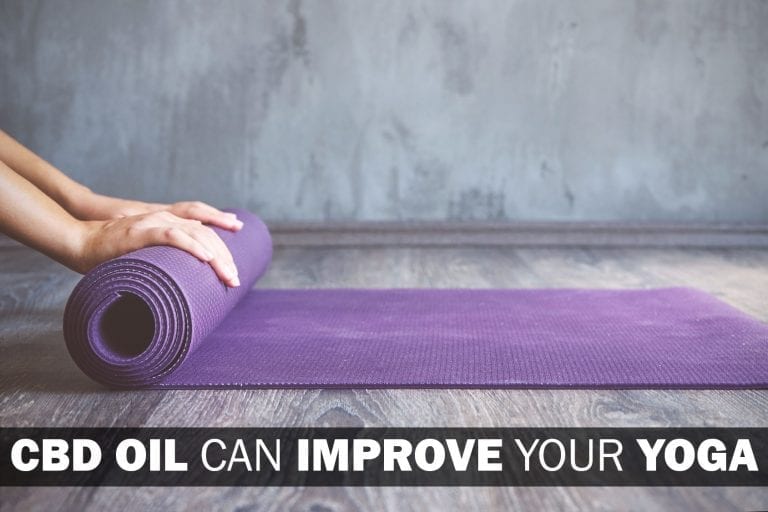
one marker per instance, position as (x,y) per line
(31,217)
(75,198)
(52,182)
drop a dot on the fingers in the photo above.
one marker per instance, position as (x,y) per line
(164,228)
(207,214)
(222,262)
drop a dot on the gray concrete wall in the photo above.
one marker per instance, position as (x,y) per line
(401,109)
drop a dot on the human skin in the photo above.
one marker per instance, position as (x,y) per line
(43,208)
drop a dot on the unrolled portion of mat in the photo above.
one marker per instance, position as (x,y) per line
(159,318)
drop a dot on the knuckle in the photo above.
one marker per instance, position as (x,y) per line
(171,233)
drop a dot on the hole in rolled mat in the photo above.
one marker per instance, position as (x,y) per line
(127,326)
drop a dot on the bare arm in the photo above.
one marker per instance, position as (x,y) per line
(52,182)
(33,218)
(84,204)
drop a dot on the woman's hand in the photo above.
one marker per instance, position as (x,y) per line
(103,240)
(91,206)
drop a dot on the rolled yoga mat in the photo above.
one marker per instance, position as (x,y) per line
(159,318)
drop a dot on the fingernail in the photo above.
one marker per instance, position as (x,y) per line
(235,282)
(230,272)
(237,224)
(208,256)
(234,270)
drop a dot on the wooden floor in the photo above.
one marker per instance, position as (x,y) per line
(40,386)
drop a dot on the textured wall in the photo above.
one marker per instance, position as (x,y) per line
(402,109)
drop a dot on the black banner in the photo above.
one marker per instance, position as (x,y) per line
(383,456)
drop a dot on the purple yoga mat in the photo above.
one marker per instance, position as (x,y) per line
(159,318)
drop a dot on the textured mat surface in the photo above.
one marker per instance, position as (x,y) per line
(160,318)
